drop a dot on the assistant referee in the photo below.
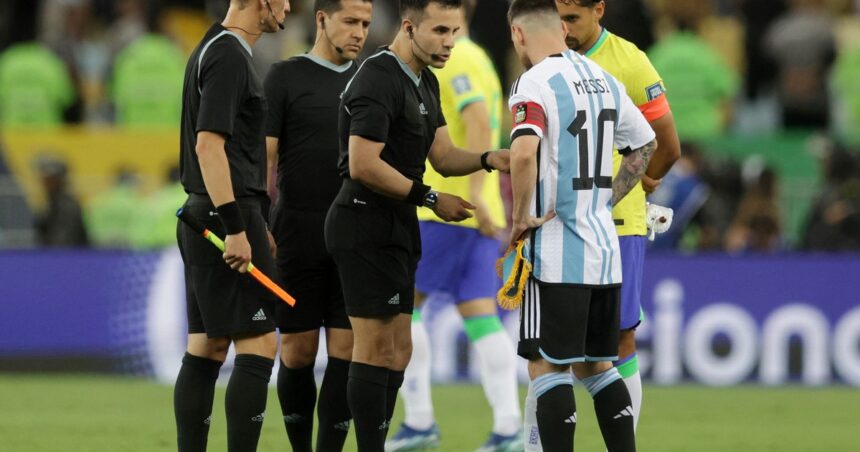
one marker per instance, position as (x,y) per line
(223,170)
(390,123)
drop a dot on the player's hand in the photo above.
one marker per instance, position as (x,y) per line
(500,160)
(273,247)
(237,252)
(520,227)
(452,208)
(649,185)
(485,222)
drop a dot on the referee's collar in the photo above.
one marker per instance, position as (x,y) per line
(327,64)
(416,79)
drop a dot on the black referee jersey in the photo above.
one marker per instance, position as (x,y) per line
(387,103)
(304,96)
(223,94)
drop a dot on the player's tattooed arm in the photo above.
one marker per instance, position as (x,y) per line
(633,166)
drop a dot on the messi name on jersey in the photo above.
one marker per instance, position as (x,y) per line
(591,86)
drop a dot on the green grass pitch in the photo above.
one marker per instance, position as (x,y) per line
(91,413)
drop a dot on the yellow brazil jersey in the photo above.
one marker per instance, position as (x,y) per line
(468,77)
(632,68)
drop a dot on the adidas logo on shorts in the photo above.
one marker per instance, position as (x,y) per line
(260,315)
(395,299)
(343,426)
(259,417)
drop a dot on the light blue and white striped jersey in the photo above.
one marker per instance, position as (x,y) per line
(579,111)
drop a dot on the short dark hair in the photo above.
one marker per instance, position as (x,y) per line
(522,7)
(417,7)
(330,6)
(469,7)
(583,3)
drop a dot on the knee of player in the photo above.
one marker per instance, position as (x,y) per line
(541,367)
(340,350)
(590,369)
(299,350)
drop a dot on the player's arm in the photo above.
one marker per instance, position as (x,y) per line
(367,167)
(529,125)
(479,138)
(632,168)
(636,142)
(666,154)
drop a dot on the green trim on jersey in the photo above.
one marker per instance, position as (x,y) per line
(604,34)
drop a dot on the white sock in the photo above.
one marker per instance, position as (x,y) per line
(416,381)
(634,387)
(530,425)
(497,362)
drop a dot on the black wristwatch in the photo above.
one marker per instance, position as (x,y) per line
(430,199)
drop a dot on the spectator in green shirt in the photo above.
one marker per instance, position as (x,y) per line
(35,87)
(147,83)
(701,84)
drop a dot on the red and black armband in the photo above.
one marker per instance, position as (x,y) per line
(529,115)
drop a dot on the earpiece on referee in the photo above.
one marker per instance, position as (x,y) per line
(409,30)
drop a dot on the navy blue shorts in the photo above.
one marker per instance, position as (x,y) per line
(632,267)
(458,261)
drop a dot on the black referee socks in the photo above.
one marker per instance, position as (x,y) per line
(395,381)
(297,392)
(366,394)
(333,409)
(245,401)
(192,401)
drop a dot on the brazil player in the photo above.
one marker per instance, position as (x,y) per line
(632,68)
(459,258)
(568,112)
(223,170)
(304,95)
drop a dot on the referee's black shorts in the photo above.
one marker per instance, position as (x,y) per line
(221,301)
(308,272)
(565,324)
(376,244)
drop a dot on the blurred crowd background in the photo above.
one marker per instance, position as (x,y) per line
(765,95)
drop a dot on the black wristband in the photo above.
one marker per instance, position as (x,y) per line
(485,164)
(416,194)
(231,218)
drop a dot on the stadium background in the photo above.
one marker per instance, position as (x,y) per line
(752,338)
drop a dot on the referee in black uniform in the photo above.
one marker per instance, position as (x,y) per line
(304,95)
(223,169)
(390,123)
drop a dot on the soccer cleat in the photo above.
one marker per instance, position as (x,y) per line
(408,438)
(501,443)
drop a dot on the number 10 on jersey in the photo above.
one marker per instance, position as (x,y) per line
(577,129)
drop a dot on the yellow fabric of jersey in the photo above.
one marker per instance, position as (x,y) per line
(468,77)
(624,61)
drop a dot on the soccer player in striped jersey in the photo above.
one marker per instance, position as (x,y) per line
(459,259)
(643,84)
(568,112)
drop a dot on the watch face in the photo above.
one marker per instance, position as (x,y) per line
(430,199)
